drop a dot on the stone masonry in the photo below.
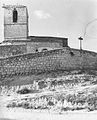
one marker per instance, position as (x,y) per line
(15,30)
(61,59)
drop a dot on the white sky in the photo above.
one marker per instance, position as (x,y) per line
(64,18)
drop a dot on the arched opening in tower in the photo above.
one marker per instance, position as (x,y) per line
(15,15)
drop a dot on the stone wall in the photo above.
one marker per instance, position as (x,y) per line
(33,46)
(61,59)
(42,42)
(38,43)
(10,50)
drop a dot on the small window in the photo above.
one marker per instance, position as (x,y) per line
(15,15)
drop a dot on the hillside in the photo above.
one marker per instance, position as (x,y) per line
(33,64)
(63,91)
(28,79)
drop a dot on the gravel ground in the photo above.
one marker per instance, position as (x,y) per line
(22,114)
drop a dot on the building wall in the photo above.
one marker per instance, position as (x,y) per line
(41,43)
(15,30)
(60,59)
(33,46)
(37,44)
(49,43)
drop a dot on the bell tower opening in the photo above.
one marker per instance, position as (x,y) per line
(15,15)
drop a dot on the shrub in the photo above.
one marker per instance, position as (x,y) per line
(50,103)
(13,104)
(42,84)
(24,91)
(25,105)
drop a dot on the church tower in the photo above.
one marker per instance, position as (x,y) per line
(15,23)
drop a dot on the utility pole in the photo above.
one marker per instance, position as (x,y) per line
(80,38)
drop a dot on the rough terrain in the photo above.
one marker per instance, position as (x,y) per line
(68,95)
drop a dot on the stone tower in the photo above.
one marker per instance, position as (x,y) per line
(15,23)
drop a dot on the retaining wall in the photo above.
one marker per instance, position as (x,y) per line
(61,59)
(10,50)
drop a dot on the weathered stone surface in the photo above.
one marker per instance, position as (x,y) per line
(10,50)
(47,61)
(15,30)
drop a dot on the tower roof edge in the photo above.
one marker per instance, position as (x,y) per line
(13,6)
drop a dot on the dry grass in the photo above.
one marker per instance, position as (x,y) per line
(75,91)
